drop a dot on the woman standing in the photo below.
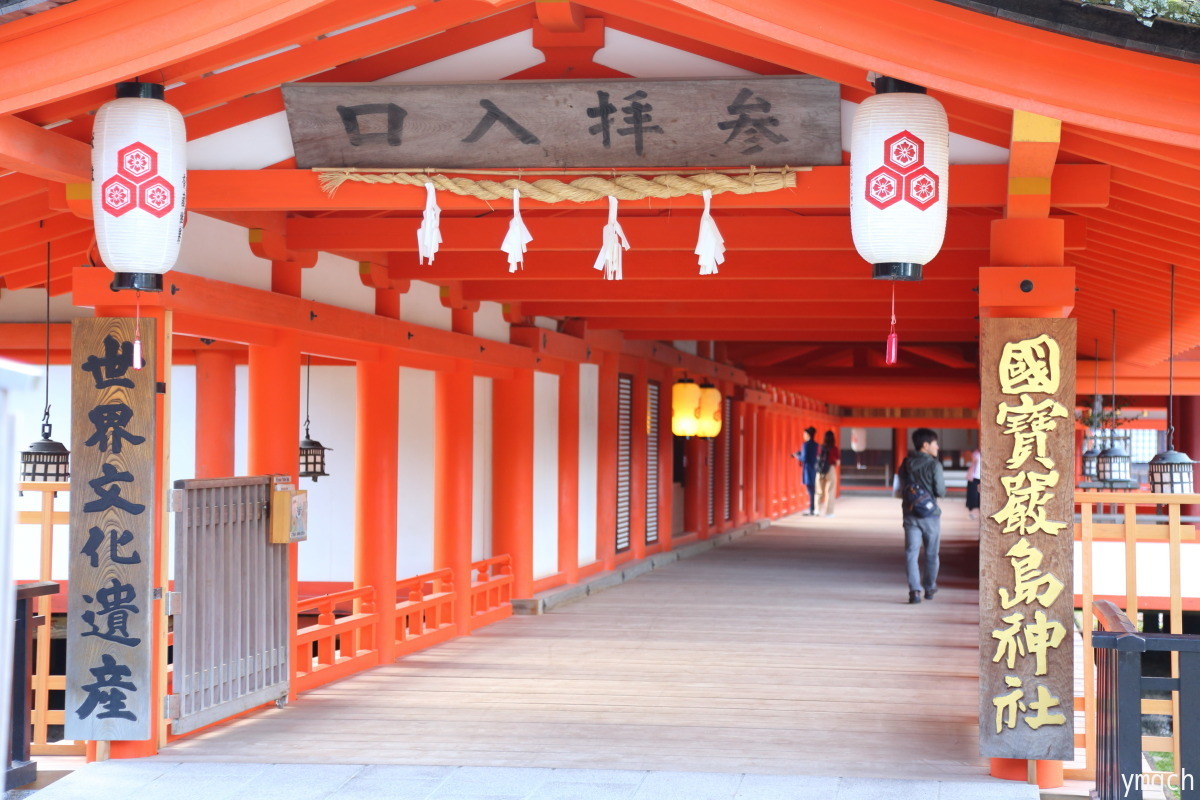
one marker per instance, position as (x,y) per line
(827,461)
(973,486)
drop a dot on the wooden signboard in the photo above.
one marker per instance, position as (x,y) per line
(1026,608)
(109,645)
(772,121)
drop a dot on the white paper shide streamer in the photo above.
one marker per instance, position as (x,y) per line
(614,242)
(517,238)
(429,235)
(710,246)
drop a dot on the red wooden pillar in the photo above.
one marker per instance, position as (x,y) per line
(568,472)
(512,476)
(376,436)
(762,489)
(797,494)
(666,466)
(695,518)
(738,462)
(274,416)
(453,480)
(637,463)
(899,447)
(719,470)
(606,462)
(216,405)
(377,441)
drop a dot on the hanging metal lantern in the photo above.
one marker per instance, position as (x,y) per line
(1113,464)
(1088,462)
(312,452)
(899,173)
(685,402)
(1171,471)
(709,412)
(46,460)
(312,457)
(139,177)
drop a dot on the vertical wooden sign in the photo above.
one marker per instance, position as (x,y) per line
(1026,608)
(109,643)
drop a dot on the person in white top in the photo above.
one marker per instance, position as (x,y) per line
(973,485)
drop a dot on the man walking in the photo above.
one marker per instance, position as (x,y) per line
(921,483)
(807,455)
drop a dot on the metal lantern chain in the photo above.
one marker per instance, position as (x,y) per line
(1113,465)
(46,460)
(1171,471)
(1088,459)
(312,452)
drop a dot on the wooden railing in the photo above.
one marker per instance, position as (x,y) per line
(1165,528)
(343,644)
(1120,705)
(20,769)
(424,611)
(45,679)
(491,591)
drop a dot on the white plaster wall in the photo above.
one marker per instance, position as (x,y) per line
(334,280)
(490,324)
(589,416)
(422,305)
(220,251)
(29,305)
(328,555)
(545,474)
(481,495)
(686,347)
(1153,568)
(414,545)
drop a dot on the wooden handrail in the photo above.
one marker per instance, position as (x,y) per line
(1112,618)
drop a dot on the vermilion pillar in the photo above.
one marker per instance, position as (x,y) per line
(738,479)
(216,404)
(762,489)
(568,472)
(274,416)
(666,466)
(637,466)
(377,433)
(512,476)
(719,470)
(695,488)
(453,481)
(606,462)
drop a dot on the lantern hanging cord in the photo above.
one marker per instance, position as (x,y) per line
(307,394)
(1114,375)
(46,412)
(586,189)
(893,330)
(1171,369)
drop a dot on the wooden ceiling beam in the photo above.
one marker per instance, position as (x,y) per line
(758,309)
(515,289)
(685,334)
(971,186)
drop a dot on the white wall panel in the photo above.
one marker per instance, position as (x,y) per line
(490,324)
(589,416)
(422,305)
(414,546)
(220,251)
(334,280)
(328,555)
(481,496)
(545,474)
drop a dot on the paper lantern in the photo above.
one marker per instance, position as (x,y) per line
(685,402)
(139,182)
(858,439)
(899,171)
(709,412)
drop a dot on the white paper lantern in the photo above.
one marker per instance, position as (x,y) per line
(139,184)
(858,439)
(899,171)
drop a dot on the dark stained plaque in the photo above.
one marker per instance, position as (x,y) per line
(1026,596)
(109,641)
(766,122)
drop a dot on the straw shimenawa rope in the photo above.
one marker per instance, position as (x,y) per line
(581,190)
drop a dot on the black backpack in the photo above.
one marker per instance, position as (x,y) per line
(917,499)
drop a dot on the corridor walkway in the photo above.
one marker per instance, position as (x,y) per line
(791,651)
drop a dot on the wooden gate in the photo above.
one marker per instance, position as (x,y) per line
(230,604)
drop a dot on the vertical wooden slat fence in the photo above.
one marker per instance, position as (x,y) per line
(1160,522)
(230,606)
(45,680)
(652,414)
(624,460)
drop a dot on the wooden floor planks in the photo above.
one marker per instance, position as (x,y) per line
(789,651)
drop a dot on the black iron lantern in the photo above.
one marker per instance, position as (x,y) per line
(312,452)
(1170,470)
(46,460)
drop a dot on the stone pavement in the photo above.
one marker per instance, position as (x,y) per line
(155,778)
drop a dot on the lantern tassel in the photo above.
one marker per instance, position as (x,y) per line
(710,246)
(429,235)
(892,352)
(614,241)
(517,238)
